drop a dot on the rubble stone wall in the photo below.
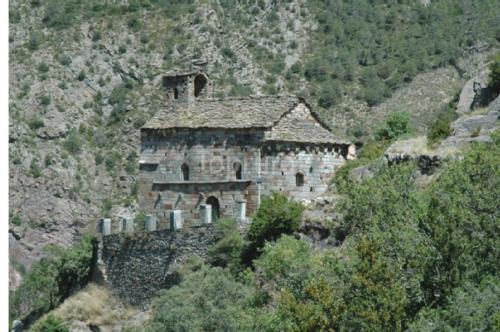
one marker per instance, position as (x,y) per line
(137,266)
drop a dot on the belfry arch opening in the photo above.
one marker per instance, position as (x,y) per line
(200,82)
(214,202)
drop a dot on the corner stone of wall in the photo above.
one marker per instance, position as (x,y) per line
(138,265)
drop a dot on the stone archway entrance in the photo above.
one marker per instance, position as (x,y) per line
(214,202)
(200,82)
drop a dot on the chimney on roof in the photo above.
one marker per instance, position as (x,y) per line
(187,86)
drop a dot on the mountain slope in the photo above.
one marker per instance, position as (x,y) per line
(84,76)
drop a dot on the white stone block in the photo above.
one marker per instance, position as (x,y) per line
(150,223)
(127,225)
(206,213)
(105,226)
(241,210)
(176,219)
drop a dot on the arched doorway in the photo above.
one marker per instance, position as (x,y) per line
(176,93)
(214,202)
(200,81)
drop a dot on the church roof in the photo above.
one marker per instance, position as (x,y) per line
(265,112)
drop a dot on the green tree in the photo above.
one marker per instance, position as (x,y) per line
(209,299)
(396,125)
(52,279)
(277,215)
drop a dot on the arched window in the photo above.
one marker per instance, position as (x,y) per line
(237,170)
(200,82)
(185,172)
(176,93)
(299,179)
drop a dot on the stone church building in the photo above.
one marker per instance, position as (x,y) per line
(204,158)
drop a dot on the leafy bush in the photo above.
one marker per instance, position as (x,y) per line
(52,279)
(73,142)
(50,323)
(276,215)
(396,125)
(228,248)
(36,123)
(439,129)
(64,60)
(494,78)
(81,75)
(35,170)
(34,42)
(208,299)
(329,96)
(45,100)
(43,67)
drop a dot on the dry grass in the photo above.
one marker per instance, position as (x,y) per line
(94,305)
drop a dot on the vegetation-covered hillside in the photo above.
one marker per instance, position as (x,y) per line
(85,75)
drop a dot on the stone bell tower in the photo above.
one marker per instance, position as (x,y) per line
(188,86)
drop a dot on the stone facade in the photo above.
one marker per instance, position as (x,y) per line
(228,153)
(185,86)
(137,266)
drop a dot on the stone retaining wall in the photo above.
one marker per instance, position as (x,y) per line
(137,266)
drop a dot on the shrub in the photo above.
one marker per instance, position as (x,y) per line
(396,125)
(227,250)
(45,100)
(16,220)
(50,323)
(81,75)
(96,36)
(208,299)
(48,160)
(73,142)
(52,279)
(43,67)
(228,53)
(494,77)
(118,94)
(36,123)
(329,96)
(276,215)
(64,60)
(438,130)
(134,24)
(34,42)
(117,113)
(35,170)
